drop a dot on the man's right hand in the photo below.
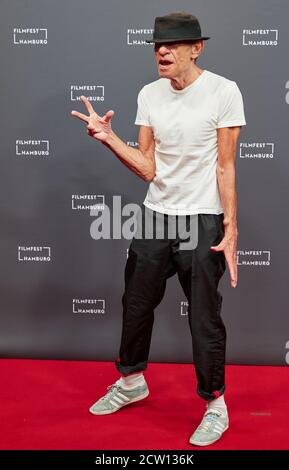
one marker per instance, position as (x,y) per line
(97,127)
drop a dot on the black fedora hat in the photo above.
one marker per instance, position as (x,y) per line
(175,27)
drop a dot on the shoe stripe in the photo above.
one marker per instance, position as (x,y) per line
(219,425)
(218,431)
(122,396)
(113,403)
(119,400)
(219,428)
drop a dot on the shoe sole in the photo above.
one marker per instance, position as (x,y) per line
(140,397)
(197,443)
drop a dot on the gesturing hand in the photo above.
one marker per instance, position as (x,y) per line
(97,127)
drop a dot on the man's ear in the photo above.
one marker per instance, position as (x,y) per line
(199,45)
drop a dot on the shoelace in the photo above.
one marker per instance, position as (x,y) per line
(209,420)
(111,390)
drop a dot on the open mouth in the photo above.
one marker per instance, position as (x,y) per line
(164,63)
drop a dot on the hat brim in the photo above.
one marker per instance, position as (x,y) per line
(152,40)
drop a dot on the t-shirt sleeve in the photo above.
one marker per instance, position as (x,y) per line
(231,107)
(142,115)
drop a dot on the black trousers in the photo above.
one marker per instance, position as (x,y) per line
(150,263)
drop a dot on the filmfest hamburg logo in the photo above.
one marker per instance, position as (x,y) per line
(287,94)
(132,143)
(137,36)
(253,258)
(92,92)
(257,150)
(30,36)
(260,37)
(32,148)
(87,202)
(34,253)
(84,305)
(184,308)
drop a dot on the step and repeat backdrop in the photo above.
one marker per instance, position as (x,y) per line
(61,285)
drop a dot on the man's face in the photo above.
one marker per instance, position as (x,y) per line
(174,58)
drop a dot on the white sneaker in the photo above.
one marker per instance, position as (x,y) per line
(117,397)
(211,428)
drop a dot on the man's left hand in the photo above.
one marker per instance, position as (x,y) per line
(229,246)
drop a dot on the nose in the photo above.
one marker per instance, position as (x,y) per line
(161,48)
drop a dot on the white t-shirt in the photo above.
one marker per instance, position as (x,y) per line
(184,123)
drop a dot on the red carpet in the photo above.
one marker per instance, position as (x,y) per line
(44,405)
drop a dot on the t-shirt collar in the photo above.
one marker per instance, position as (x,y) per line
(189,87)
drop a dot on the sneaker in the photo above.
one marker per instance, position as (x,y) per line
(117,397)
(211,428)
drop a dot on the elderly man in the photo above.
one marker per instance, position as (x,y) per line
(190,122)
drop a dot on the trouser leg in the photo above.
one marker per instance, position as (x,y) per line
(199,272)
(147,269)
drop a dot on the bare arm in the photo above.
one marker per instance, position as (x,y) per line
(141,161)
(226,177)
(226,172)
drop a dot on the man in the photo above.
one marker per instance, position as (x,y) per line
(190,122)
